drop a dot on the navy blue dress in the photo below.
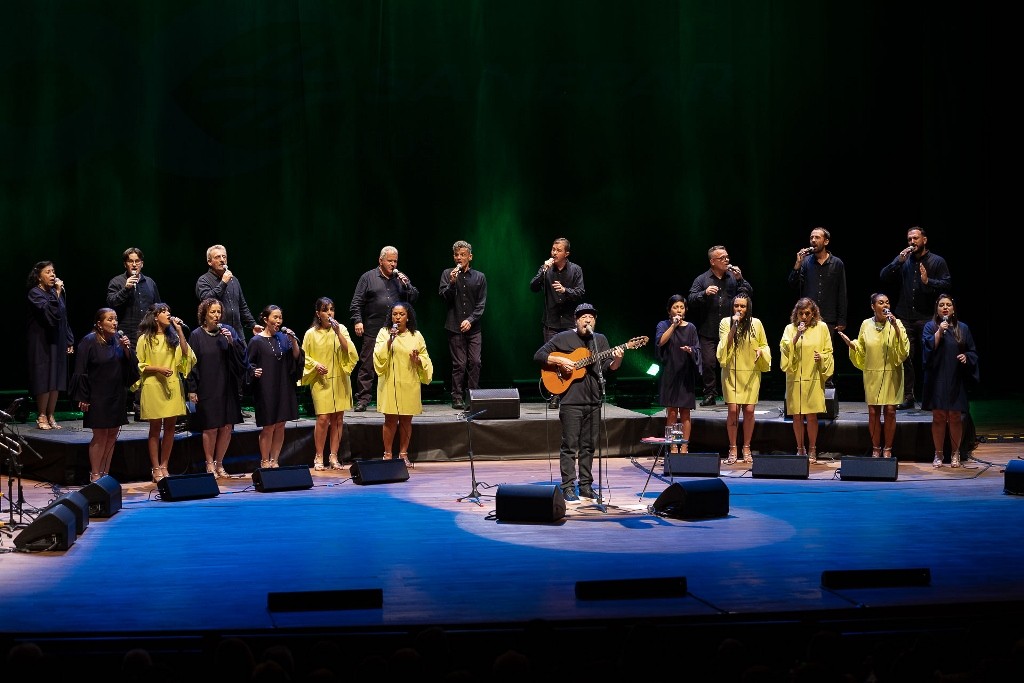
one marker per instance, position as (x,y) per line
(103,372)
(680,371)
(945,378)
(48,338)
(274,392)
(216,378)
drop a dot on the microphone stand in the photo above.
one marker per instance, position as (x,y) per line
(474,494)
(599,502)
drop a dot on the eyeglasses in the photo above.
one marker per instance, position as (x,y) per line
(722,258)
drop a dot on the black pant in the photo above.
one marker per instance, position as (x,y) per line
(580,425)
(709,359)
(465,348)
(912,364)
(365,376)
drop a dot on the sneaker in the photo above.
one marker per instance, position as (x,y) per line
(360,407)
(587,492)
(570,496)
(708,401)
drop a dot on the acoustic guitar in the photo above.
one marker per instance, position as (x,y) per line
(557,377)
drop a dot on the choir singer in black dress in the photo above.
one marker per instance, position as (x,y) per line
(105,366)
(215,382)
(275,362)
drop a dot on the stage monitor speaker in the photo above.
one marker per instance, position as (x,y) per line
(379,471)
(53,529)
(529,503)
(831,405)
(326,601)
(693,465)
(632,589)
(499,403)
(104,496)
(876,578)
(79,506)
(866,468)
(1013,477)
(694,500)
(188,487)
(285,478)
(780,467)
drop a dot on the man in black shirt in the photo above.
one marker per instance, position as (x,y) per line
(920,276)
(710,300)
(562,283)
(820,275)
(579,411)
(221,284)
(131,293)
(376,291)
(465,294)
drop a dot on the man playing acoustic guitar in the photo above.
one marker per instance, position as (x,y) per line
(579,409)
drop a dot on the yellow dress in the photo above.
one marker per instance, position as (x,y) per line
(398,386)
(332,392)
(879,355)
(741,376)
(161,396)
(805,377)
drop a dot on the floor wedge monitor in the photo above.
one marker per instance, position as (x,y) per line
(499,403)
(529,503)
(188,487)
(379,471)
(866,468)
(104,496)
(693,465)
(53,529)
(780,467)
(701,499)
(285,478)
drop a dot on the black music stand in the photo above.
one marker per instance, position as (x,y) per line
(474,494)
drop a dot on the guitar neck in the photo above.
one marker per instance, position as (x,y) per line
(584,362)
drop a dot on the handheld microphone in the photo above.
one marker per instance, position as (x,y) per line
(394,330)
(806,250)
(945,319)
(219,326)
(330,321)
(885,312)
(588,329)
(288,331)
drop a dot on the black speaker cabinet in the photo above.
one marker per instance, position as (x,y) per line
(379,471)
(864,468)
(188,487)
(1013,477)
(529,503)
(693,465)
(632,589)
(104,496)
(79,506)
(53,529)
(780,467)
(499,403)
(694,500)
(286,478)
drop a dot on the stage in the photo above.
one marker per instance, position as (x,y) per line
(294,567)
(442,434)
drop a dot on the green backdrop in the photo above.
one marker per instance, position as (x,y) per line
(306,135)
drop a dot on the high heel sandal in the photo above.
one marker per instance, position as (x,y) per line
(876,451)
(43,423)
(812,454)
(210,467)
(333,462)
(731,459)
(264,464)
(801,451)
(954,460)
(937,460)
(887,452)
(318,462)
(404,455)
(388,455)
(746,455)
(157,474)
(219,470)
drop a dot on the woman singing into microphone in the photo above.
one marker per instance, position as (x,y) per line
(49,341)
(743,353)
(878,351)
(330,358)
(164,359)
(950,364)
(275,362)
(105,367)
(806,358)
(402,364)
(214,384)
